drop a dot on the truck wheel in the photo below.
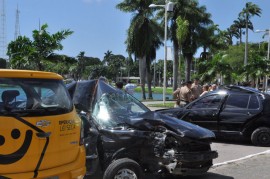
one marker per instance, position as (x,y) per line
(123,168)
(261,136)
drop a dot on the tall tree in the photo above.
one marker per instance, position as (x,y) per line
(181,34)
(19,52)
(181,8)
(208,40)
(143,37)
(238,25)
(24,51)
(198,18)
(107,55)
(249,11)
(81,62)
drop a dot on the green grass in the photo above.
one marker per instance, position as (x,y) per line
(157,90)
(167,105)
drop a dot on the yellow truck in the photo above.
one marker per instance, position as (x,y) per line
(41,135)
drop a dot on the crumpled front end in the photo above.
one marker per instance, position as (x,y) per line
(179,155)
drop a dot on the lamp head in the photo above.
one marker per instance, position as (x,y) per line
(170,6)
(152,5)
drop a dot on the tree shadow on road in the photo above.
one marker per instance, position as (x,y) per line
(208,175)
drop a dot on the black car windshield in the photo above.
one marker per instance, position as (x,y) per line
(33,97)
(113,109)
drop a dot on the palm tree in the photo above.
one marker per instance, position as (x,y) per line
(198,19)
(217,68)
(143,37)
(80,65)
(181,34)
(208,40)
(196,16)
(181,7)
(249,11)
(106,57)
(237,26)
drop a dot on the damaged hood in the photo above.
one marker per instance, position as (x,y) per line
(113,108)
(151,119)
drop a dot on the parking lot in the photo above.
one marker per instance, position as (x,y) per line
(234,151)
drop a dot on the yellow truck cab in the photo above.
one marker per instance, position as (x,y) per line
(40,131)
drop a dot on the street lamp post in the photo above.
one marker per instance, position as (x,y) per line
(268,54)
(155,73)
(168,7)
(159,78)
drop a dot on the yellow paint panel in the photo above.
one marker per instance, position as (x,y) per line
(9,73)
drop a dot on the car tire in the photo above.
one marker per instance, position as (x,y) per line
(261,137)
(123,168)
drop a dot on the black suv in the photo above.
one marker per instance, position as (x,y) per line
(232,111)
(124,139)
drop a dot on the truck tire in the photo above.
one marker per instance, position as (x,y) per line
(123,168)
(261,137)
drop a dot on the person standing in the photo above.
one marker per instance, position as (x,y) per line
(213,87)
(129,88)
(196,89)
(183,94)
(119,85)
(205,90)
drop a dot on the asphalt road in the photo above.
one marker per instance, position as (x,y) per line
(236,160)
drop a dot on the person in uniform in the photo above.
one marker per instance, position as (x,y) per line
(196,89)
(183,94)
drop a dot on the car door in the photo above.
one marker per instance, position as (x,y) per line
(204,111)
(238,109)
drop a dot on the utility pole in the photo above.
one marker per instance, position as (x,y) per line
(3,46)
(17,24)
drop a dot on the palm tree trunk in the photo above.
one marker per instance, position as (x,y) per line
(175,65)
(188,59)
(142,72)
(240,36)
(149,79)
(246,45)
(179,68)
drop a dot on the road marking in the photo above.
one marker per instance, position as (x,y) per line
(243,158)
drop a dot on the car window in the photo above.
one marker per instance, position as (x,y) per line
(237,101)
(253,103)
(212,101)
(31,97)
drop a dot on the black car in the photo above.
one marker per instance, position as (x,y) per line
(124,139)
(230,112)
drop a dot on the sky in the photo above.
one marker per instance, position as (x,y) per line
(98,26)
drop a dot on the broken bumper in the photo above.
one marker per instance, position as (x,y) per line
(196,156)
(194,163)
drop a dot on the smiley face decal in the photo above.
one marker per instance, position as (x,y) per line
(17,155)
